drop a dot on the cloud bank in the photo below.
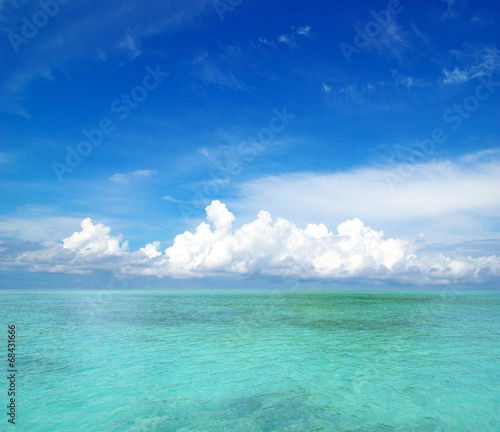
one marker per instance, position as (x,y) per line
(265,247)
(448,201)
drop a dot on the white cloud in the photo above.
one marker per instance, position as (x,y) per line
(151,250)
(326,88)
(129,44)
(284,38)
(94,240)
(453,7)
(448,201)
(366,96)
(14,88)
(392,40)
(210,73)
(304,31)
(74,39)
(170,199)
(473,62)
(422,36)
(289,39)
(37,226)
(406,81)
(124,178)
(219,216)
(262,247)
(264,41)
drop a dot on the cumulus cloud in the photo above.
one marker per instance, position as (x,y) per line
(151,250)
(265,246)
(94,240)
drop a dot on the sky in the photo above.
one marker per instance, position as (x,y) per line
(249,143)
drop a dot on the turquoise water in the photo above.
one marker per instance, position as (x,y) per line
(254,361)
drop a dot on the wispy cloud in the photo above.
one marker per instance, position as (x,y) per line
(210,73)
(453,8)
(446,200)
(472,62)
(15,87)
(304,31)
(401,80)
(129,44)
(326,88)
(291,39)
(37,227)
(75,36)
(125,178)
(359,95)
(482,19)
(422,36)
(393,40)
(170,199)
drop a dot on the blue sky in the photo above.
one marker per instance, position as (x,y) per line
(319,114)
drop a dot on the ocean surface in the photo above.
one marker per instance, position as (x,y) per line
(254,361)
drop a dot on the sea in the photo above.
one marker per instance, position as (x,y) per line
(252,361)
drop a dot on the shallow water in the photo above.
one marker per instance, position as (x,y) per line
(255,361)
